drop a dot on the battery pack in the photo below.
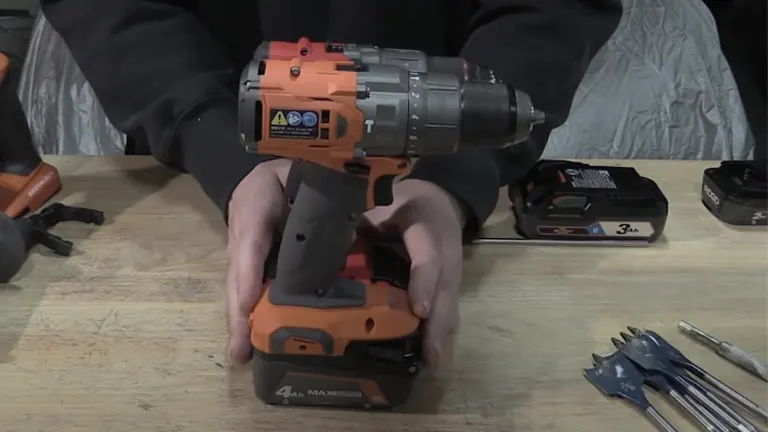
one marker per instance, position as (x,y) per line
(305,366)
(565,200)
(736,193)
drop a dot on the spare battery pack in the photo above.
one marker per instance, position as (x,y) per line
(736,193)
(564,200)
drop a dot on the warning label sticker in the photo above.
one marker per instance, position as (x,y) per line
(293,124)
(590,178)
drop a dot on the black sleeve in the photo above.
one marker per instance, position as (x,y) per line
(160,77)
(542,48)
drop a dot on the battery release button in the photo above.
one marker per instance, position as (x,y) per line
(570,202)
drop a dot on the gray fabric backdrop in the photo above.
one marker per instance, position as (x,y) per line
(660,88)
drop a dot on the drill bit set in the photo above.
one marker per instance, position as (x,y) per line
(645,359)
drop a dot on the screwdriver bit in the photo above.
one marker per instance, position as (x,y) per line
(726,350)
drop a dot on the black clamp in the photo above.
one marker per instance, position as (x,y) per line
(36,226)
(18,236)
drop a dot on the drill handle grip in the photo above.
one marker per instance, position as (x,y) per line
(317,235)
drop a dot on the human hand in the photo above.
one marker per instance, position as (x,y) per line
(255,211)
(430,221)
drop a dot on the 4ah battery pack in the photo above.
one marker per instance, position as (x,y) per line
(564,200)
(736,192)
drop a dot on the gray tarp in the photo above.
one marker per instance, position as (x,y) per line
(660,88)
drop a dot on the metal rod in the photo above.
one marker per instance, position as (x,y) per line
(735,395)
(543,242)
(708,404)
(744,424)
(703,411)
(693,412)
(658,420)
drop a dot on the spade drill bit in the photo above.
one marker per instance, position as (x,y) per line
(616,376)
(733,354)
(679,359)
(698,412)
(647,353)
(663,378)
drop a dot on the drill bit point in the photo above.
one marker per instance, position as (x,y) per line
(617,343)
(597,360)
(625,336)
(634,330)
(539,117)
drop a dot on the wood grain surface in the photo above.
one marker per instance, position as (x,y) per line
(129,333)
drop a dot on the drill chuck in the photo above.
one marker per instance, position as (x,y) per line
(493,114)
(419,114)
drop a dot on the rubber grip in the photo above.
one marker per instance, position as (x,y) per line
(318,232)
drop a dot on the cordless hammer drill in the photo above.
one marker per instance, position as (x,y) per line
(412,60)
(334,326)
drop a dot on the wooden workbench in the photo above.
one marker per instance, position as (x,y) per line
(129,333)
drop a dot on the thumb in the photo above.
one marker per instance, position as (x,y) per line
(246,269)
(251,232)
(425,267)
(251,256)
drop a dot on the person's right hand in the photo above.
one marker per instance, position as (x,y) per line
(256,209)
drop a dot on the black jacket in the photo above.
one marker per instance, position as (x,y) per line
(166,72)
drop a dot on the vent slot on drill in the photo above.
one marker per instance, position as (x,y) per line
(351,67)
(258,114)
(334,48)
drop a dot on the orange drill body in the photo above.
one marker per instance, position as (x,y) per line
(366,353)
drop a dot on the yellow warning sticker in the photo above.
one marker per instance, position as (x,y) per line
(279,119)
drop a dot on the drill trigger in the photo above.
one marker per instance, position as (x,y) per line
(382,190)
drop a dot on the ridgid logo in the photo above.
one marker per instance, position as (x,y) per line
(711,195)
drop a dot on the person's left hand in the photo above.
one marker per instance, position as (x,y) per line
(430,221)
